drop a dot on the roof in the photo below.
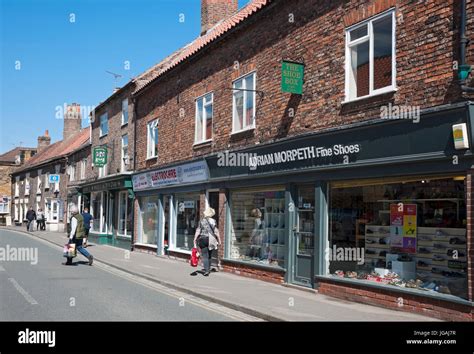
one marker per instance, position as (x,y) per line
(10,156)
(199,43)
(59,149)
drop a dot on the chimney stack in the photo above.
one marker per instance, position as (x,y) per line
(44,141)
(214,11)
(72,120)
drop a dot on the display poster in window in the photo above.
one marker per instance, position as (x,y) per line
(403,227)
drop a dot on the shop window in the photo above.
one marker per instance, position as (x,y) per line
(149,220)
(204,115)
(258,230)
(104,124)
(96,207)
(125,206)
(187,220)
(405,233)
(244,103)
(370,57)
(152,139)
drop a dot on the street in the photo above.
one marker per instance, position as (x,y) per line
(50,291)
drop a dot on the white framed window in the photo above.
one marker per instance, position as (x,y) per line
(38,184)
(16,212)
(83,167)
(104,124)
(244,101)
(370,57)
(204,118)
(124,160)
(5,205)
(104,170)
(46,181)
(17,189)
(125,111)
(152,139)
(72,172)
(27,184)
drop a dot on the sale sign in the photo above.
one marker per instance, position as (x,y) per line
(403,228)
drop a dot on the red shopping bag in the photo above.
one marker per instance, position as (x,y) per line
(194,258)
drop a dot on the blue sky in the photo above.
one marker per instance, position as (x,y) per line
(62,49)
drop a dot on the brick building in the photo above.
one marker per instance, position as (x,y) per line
(8,161)
(374,156)
(107,190)
(31,186)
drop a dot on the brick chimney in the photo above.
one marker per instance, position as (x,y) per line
(72,120)
(44,141)
(213,11)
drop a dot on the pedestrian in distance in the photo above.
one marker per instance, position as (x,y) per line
(87,225)
(30,217)
(76,235)
(40,224)
(207,238)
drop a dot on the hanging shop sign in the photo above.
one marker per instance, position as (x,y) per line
(187,173)
(292,75)
(100,156)
(403,227)
(53,179)
(461,140)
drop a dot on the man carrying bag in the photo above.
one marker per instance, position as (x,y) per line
(77,234)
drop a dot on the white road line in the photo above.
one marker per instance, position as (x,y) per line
(23,292)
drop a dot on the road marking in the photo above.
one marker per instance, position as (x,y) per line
(23,292)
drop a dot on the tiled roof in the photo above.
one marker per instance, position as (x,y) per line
(192,48)
(58,149)
(10,156)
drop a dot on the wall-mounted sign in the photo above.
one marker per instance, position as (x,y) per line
(99,157)
(187,173)
(292,75)
(53,179)
(403,227)
(461,140)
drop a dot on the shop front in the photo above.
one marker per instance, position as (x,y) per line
(170,204)
(377,208)
(110,202)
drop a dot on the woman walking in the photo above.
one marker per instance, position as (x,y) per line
(207,238)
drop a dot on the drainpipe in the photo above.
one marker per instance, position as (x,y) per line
(134,119)
(464,42)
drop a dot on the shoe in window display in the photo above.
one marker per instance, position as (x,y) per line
(424,238)
(439,246)
(411,284)
(370,251)
(422,264)
(438,258)
(429,285)
(369,231)
(440,233)
(404,258)
(424,250)
(436,270)
(444,290)
(370,241)
(383,230)
(457,241)
(383,253)
(382,241)
(362,275)
(351,274)
(339,273)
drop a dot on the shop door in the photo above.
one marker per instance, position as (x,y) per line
(54,215)
(303,264)
(166,213)
(110,213)
(213,201)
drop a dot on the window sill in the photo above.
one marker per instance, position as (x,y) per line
(380,93)
(145,245)
(422,293)
(151,158)
(124,125)
(255,265)
(104,135)
(242,131)
(202,143)
(179,250)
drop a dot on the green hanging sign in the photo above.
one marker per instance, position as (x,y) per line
(292,75)
(100,156)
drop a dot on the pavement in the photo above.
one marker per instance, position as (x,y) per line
(252,297)
(41,289)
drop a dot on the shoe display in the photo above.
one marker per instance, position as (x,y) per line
(370,241)
(339,273)
(424,238)
(439,246)
(382,241)
(369,231)
(438,258)
(383,253)
(422,264)
(351,274)
(436,270)
(369,251)
(457,241)
(411,284)
(440,233)
(424,250)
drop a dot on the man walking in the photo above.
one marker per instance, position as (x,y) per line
(40,220)
(77,234)
(87,225)
(30,216)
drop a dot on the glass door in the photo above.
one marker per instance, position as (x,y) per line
(303,266)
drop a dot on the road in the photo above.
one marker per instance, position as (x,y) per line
(50,291)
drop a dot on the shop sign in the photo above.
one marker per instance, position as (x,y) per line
(292,77)
(99,157)
(460,136)
(187,173)
(403,227)
(104,186)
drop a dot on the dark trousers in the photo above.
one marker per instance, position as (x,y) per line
(207,255)
(40,224)
(29,225)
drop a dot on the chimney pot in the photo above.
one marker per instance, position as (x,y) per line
(72,120)
(214,11)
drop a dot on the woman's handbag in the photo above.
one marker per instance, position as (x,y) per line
(194,258)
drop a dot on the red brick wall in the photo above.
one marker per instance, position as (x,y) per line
(253,272)
(213,11)
(440,309)
(426,47)
(470,236)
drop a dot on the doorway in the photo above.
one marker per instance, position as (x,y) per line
(304,235)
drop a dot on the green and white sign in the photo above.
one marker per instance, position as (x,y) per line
(100,156)
(292,75)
